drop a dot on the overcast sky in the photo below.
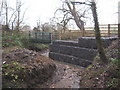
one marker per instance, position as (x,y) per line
(44,9)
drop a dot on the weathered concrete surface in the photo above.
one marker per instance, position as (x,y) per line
(74,51)
(79,53)
(69,59)
(66,42)
(89,42)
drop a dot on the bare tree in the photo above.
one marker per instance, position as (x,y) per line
(1,7)
(70,13)
(46,27)
(97,33)
(100,48)
(6,9)
(59,25)
(18,8)
(77,18)
(39,24)
(14,19)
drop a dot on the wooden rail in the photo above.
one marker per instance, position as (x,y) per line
(106,30)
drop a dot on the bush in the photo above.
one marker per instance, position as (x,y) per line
(12,72)
(20,39)
(13,39)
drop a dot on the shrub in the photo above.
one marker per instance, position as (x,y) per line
(12,72)
(20,39)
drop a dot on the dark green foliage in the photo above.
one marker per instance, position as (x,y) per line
(20,39)
(11,39)
(13,72)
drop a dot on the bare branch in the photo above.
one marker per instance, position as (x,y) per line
(24,14)
(15,12)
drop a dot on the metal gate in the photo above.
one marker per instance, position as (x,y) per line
(40,37)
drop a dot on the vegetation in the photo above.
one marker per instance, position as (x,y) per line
(12,73)
(20,63)
(101,75)
(12,39)
(97,34)
(24,68)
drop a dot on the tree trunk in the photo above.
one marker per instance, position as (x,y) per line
(119,41)
(77,20)
(6,15)
(97,35)
(119,31)
(6,8)
(18,7)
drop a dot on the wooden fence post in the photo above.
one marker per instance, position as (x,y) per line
(108,30)
(59,34)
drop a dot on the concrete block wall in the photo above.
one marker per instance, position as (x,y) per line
(69,59)
(89,42)
(66,42)
(79,53)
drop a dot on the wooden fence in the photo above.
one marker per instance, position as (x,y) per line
(106,30)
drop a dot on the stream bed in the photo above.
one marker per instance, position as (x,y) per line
(66,75)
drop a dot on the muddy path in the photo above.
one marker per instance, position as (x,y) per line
(66,76)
